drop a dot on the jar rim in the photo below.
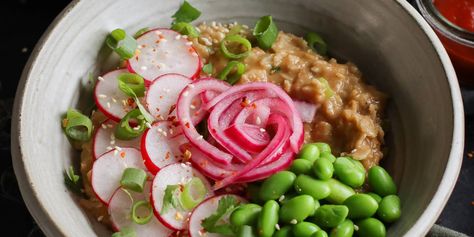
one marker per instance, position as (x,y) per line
(443,25)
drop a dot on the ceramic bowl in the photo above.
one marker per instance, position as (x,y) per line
(391,43)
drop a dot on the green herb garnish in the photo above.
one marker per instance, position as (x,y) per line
(77,126)
(171,198)
(214,223)
(72,181)
(207,68)
(125,232)
(186,13)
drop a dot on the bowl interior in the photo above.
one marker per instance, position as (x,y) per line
(381,37)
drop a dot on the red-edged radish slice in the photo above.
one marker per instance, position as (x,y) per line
(160,145)
(120,207)
(204,210)
(163,93)
(163,51)
(173,174)
(108,169)
(104,139)
(109,99)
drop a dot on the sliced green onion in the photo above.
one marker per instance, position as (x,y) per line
(140,32)
(316,43)
(207,68)
(235,30)
(233,77)
(127,90)
(328,92)
(134,82)
(186,13)
(236,39)
(123,44)
(170,198)
(74,178)
(193,193)
(185,28)
(72,181)
(141,220)
(126,132)
(266,32)
(77,126)
(133,179)
(125,232)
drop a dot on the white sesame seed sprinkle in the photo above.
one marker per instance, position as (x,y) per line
(178,37)
(262,130)
(100,78)
(184,36)
(114,100)
(282,197)
(110,125)
(258,121)
(277,226)
(192,106)
(108,105)
(191,86)
(102,96)
(104,126)
(109,148)
(194,54)
(148,124)
(116,152)
(186,93)
(158,32)
(118,148)
(294,222)
(189,43)
(143,68)
(213,24)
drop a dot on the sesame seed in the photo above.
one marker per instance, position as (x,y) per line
(136,128)
(213,24)
(116,153)
(102,96)
(109,148)
(110,125)
(192,106)
(114,100)
(191,86)
(258,121)
(148,124)
(108,105)
(178,37)
(245,26)
(294,222)
(194,54)
(100,218)
(282,197)
(262,130)
(100,78)
(277,226)
(112,142)
(104,126)
(186,93)
(118,148)
(199,137)
(158,32)
(163,40)
(189,43)
(143,68)
(184,36)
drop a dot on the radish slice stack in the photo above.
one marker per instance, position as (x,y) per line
(120,206)
(204,210)
(175,174)
(163,93)
(163,51)
(104,139)
(108,169)
(109,99)
(160,145)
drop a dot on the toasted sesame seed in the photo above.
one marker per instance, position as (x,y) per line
(104,126)
(277,226)
(102,96)
(258,121)
(143,68)
(178,37)
(189,43)
(294,222)
(186,93)
(282,197)
(262,130)
(100,78)
(148,124)
(108,105)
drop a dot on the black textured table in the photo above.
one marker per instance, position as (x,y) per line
(23,23)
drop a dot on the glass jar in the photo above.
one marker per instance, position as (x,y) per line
(459,43)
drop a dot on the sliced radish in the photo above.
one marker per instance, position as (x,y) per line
(160,146)
(163,51)
(120,207)
(109,99)
(108,169)
(204,210)
(173,174)
(163,93)
(104,139)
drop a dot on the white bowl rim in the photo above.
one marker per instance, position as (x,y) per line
(420,228)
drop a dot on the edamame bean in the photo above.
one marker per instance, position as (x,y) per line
(296,209)
(316,206)
(339,191)
(381,182)
(301,166)
(349,171)
(246,214)
(323,147)
(361,206)
(317,189)
(276,185)
(284,231)
(268,219)
(328,156)
(375,196)
(305,229)
(345,229)
(320,233)
(309,152)
(389,210)
(370,227)
(323,168)
(330,215)
(245,231)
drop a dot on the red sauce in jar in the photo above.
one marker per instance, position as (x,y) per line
(460,13)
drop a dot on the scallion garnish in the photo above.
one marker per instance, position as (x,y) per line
(127,90)
(238,42)
(232,72)
(77,126)
(265,32)
(186,13)
(126,132)
(134,82)
(72,181)
(214,223)
(170,198)
(193,193)
(185,28)
(328,92)
(122,43)
(142,219)
(316,43)
(125,232)
(140,32)
(133,179)
(207,68)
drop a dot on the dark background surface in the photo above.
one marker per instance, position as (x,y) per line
(24,21)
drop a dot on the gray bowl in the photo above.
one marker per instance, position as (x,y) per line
(390,42)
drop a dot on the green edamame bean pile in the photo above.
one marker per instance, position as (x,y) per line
(319,196)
